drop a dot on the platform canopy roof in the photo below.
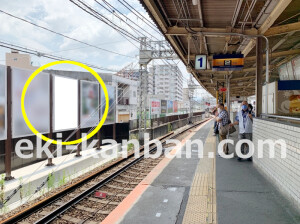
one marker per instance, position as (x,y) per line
(202,22)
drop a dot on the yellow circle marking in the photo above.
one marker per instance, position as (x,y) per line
(95,74)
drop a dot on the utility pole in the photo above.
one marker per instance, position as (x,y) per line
(142,89)
(149,50)
(191,89)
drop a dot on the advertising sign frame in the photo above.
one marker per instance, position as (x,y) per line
(97,114)
(4,136)
(175,106)
(108,87)
(153,105)
(170,107)
(13,109)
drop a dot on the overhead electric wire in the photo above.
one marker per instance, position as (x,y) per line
(84,6)
(50,56)
(112,12)
(139,15)
(113,8)
(63,35)
(72,49)
(46,55)
(102,18)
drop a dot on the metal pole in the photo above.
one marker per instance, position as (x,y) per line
(8,141)
(259,77)
(189,40)
(145,100)
(78,117)
(228,94)
(50,135)
(267,74)
(140,102)
(100,115)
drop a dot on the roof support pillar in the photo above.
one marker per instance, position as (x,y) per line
(259,76)
(228,93)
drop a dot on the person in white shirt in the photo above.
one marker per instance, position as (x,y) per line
(244,119)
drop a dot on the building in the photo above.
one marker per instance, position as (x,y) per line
(126,107)
(15,59)
(166,80)
(186,98)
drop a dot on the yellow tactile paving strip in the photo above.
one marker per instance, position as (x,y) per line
(201,206)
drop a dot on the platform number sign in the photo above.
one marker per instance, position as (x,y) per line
(200,62)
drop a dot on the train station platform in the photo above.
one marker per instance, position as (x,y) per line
(206,190)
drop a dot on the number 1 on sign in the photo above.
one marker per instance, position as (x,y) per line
(201,62)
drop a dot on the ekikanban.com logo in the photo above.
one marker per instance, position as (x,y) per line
(190,149)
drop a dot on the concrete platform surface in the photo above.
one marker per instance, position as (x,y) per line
(165,199)
(243,194)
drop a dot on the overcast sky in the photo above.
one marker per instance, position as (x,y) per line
(66,18)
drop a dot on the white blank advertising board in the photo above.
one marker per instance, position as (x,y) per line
(37,103)
(3,120)
(65,103)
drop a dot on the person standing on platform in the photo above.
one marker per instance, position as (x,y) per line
(223,120)
(244,119)
(216,130)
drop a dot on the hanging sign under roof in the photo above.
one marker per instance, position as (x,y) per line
(200,62)
(228,62)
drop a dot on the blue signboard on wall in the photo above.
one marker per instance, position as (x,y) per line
(289,85)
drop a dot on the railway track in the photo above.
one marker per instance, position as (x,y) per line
(79,203)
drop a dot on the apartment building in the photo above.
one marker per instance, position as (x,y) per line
(167,80)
